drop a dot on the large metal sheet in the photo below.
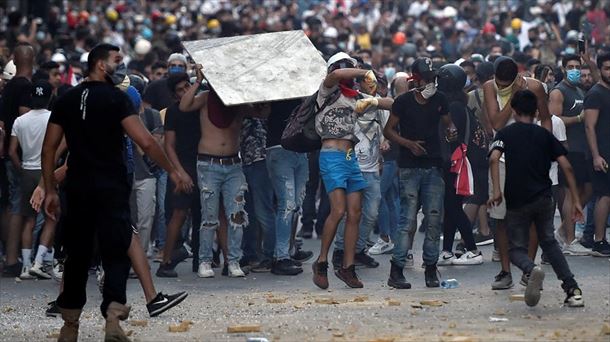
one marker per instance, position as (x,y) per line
(260,68)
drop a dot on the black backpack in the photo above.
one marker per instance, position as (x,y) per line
(300,133)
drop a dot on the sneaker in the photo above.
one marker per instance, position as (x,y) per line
(534,284)
(574,298)
(495,256)
(12,271)
(446,259)
(320,274)
(158,257)
(349,277)
(53,310)
(38,272)
(302,256)
(460,249)
(601,249)
(25,273)
(58,269)
(205,270)
(179,255)
(366,260)
(503,281)
(575,249)
(470,258)
(431,276)
(410,262)
(483,240)
(262,267)
(166,271)
(163,302)
(587,242)
(337,258)
(234,270)
(544,260)
(525,280)
(285,267)
(381,247)
(188,249)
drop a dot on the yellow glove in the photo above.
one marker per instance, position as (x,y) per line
(363,105)
(370,80)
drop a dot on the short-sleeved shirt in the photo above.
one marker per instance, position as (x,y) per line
(369,136)
(559,132)
(142,164)
(528,150)
(338,119)
(420,122)
(188,132)
(29,130)
(253,140)
(91,115)
(16,93)
(158,95)
(599,98)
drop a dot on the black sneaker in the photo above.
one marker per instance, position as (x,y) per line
(262,267)
(574,298)
(431,277)
(163,302)
(285,267)
(166,271)
(302,256)
(482,240)
(503,281)
(12,271)
(337,258)
(178,256)
(53,310)
(601,248)
(365,260)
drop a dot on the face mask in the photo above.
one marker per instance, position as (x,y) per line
(118,75)
(573,76)
(504,94)
(389,72)
(570,50)
(176,69)
(428,91)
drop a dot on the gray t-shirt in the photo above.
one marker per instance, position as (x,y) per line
(152,120)
(338,119)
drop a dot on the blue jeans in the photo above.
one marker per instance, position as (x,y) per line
(288,172)
(228,181)
(425,186)
(160,220)
(371,198)
(259,201)
(389,207)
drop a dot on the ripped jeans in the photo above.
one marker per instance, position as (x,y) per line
(288,172)
(228,181)
(425,186)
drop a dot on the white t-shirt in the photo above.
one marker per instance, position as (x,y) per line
(370,136)
(29,129)
(559,131)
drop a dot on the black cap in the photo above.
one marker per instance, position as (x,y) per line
(423,68)
(41,93)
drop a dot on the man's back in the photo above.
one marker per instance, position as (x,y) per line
(90,115)
(16,93)
(29,130)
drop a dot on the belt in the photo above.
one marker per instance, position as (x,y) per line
(219,160)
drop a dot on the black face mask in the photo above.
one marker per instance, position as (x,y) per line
(118,75)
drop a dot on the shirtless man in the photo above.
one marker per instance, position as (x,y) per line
(497,94)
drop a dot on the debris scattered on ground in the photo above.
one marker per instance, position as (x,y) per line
(276,300)
(326,301)
(605,329)
(360,299)
(246,328)
(184,326)
(517,298)
(53,334)
(393,302)
(136,323)
(497,319)
(431,302)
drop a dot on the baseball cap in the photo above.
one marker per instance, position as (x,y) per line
(422,68)
(177,57)
(339,56)
(41,93)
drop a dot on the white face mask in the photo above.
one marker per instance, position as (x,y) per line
(428,91)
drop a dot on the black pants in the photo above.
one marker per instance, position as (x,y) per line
(455,218)
(541,212)
(96,211)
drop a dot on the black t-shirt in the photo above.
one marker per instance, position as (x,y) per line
(91,115)
(16,93)
(529,150)
(188,132)
(278,119)
(599,98)
(420,122)
(158,95)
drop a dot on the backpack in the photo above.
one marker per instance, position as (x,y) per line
(300,133)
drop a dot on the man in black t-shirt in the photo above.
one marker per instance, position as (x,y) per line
(418,113)
(597,126)
(528,151)
(94,116)
(157,94)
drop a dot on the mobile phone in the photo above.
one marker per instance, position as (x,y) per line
(581,45)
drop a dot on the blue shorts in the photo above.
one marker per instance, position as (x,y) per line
(340,170)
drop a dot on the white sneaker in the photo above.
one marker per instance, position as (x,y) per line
(445,259)
(495,256)
(58,270)
(37,271)
(25,273)
(469,258)
(410,263)
(381,247)
(235,271)
(576,249)
(205,270)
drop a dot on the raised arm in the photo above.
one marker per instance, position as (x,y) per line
(336,76)
(498,118)
(190,101)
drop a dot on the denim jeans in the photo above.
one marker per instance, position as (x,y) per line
(390,205)
(160,219)
(288,172)
(259,201)
(228,181)
(425,186)
(371,198)
(541,212)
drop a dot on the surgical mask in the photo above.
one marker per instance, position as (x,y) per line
(570,50)
(573,76)
(118,75)
(428,91)
(390,72)
(176,69)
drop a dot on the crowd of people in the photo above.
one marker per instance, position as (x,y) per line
(485,118)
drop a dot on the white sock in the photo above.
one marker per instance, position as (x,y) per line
(49,256)
(42,251)
(25,255)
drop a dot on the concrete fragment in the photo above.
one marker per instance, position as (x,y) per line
(393,302)
(431,302)
(276,300)
(246,328)
(360,299)
(53,334)
(326,301)
(517,298)
(184,326)
(137,323)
